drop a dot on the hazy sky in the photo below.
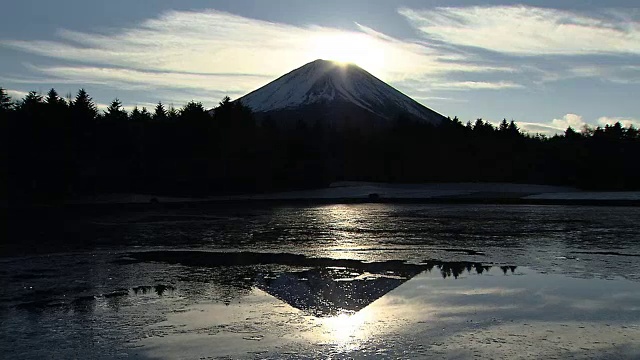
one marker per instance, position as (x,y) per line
(542,64)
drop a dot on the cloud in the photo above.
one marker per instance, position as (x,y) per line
(626,122)
(555,126)
(16,95)
(214,51)
(128,79)
(523,30)
(547,45)
(128,107)
(181,55)
(576,122)
(538,128)
(477,85)
(181,41)
(569,120)
(439,98)
(619,74)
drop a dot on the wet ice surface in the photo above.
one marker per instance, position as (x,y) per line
(491,316)
(381,281)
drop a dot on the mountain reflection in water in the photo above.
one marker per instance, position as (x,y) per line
(331,291)
(319,286)
(176,304)
(339,281)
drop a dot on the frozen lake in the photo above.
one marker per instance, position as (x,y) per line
(331,281)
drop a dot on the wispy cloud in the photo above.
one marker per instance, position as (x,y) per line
(619,74)
(523,30)
(181,55)
(475,85)
(439,98)
(545,45)
(539,128)
(129,79)
(218,52)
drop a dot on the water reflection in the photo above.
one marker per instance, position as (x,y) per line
(48,301)
(347,331)
(319,286)
(423,317)
(331,291)
(159,289)
(505,269)
(527,235)
(240,304)
(236,304)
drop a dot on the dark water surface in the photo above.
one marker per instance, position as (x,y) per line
(332,281)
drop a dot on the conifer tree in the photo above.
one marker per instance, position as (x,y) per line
(504,126)
(135,115)
(54,99)
(193,112)
(115,112)
(145,115)
(31,98)
(513,129)
(5,100)
(31,103)
(83,107)
(159,114)
(172,114)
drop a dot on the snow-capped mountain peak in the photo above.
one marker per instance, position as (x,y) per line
(323,82)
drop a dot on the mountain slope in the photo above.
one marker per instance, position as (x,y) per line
(331,89)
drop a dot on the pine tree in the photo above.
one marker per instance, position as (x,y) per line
(83,107)
(159,114)
(5,100)
(54,99)
(31,103)
(226,101)
(172,114)
(504,126)
(632,133)
(145,115)
(136,115)
(513,129)
(193,112)
(571,134)
(115,112)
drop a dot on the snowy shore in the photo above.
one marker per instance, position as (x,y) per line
(354,192)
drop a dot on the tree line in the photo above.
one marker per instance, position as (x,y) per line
(57,148)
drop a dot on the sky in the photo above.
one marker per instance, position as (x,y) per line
(545,64)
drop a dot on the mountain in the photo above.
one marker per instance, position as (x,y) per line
(331,91)
(330,291)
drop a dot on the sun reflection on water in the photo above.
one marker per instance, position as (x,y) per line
(349,228)
(348,330)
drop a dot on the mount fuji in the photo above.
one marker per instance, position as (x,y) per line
(334,92)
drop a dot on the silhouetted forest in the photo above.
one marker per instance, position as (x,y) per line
(57,148)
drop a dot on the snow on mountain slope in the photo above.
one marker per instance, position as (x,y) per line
(327,82)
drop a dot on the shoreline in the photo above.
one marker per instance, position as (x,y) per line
(365,193)
(333,201)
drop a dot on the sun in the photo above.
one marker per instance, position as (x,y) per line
(357,48)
